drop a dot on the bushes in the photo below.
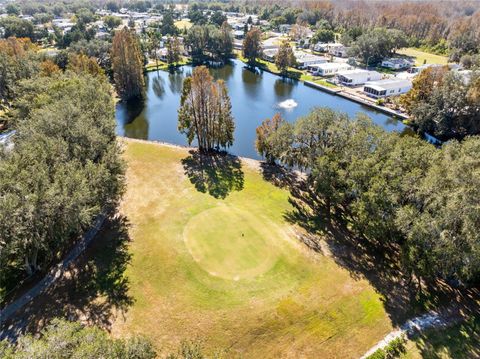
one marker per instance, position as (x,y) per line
(393,350)
(63,339)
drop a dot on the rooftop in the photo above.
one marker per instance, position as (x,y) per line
(388,83)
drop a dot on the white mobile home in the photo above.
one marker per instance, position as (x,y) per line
(386,88)
(328,68)
(357,77)
(396,64)
(338,50)
(305,59)
(269,54)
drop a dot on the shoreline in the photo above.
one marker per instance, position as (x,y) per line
(252,162)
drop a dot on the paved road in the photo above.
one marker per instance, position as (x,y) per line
(55,273)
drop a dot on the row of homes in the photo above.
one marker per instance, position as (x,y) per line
(374,83)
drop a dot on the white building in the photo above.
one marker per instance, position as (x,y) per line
(269,54)
(305,59)
(338,50)
(328,68)
(357,77)
(396,64)
(162,54)
(386,88)
(239,34)
(322,46)
(419,69)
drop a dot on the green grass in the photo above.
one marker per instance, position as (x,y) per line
(458,341)
(152,65)
(214,258)
(421,56)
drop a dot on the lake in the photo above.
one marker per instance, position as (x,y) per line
(255,96)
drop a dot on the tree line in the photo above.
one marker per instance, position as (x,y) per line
(64,339)
(434,25)
(64,167)
(209,42)
(397,192)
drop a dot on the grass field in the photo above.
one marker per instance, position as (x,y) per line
(421,56)
(183,24)
(213,258)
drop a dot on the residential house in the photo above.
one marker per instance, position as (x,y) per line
(357,77)
(328,68)
(162,54)
(396,63)
(387,87)
(337,50)
(418,69)
(285,28)
(239,34)
(304,59)
(269,54)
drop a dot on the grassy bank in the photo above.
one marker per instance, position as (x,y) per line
(163,66)
(422,57)
(214,258)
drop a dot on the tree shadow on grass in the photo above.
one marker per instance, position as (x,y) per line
(278,175)
(379,263)
(215,173)
(93,290)
(461,340)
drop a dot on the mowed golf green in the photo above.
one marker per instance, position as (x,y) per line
(229,270)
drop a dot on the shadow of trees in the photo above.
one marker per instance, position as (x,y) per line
(380,265)
(215,173)
(93,290)
(460,340)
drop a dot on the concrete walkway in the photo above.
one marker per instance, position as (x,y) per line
(430,320)
(53,275)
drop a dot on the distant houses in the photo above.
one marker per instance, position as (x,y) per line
(387,87)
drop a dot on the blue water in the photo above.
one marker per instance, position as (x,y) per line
(255,96)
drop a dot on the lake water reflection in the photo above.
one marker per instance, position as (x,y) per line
(254,95)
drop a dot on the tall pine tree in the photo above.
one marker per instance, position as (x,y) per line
(127,65)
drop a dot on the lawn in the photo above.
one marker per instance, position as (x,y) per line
(421,56)
(183,24)
(214,258)
(152,65)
